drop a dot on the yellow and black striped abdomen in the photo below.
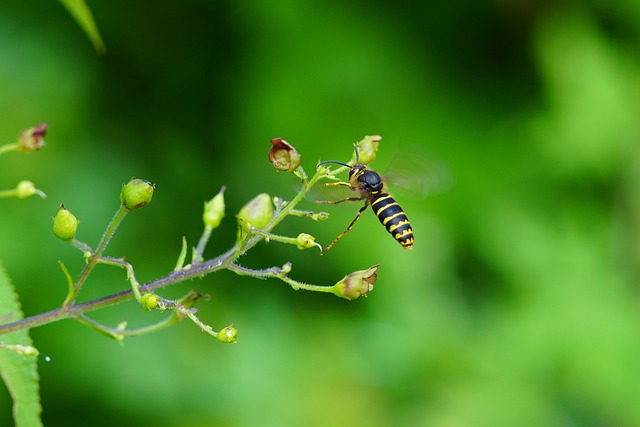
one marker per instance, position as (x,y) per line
(393,218)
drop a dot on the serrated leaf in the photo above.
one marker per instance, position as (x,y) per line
(20,373)
(83,16)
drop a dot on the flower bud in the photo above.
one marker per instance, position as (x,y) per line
(32,139)
(228,334)
(286,268)
(356,284)
(26,189)
(149,301)
(214,210)
(283,156)
(65,224)
(306,241)
(367,149)
(320,216)
(136,194)
(256,213)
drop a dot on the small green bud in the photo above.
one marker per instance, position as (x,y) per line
(65,224)
(228,334)
(26,189)
(286,268)
(256,213)
(356,284)
(136,194)
(32,139)
(367,149)
(214,210)
(149,301)
(283,156)
(306,241)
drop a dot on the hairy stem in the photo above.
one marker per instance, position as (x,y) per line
(75,310)
(94,259)
(72,309)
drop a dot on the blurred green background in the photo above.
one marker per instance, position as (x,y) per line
(519,304)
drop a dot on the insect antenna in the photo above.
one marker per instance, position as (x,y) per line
(342,163)
(333,161)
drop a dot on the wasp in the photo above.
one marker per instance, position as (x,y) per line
(369,185)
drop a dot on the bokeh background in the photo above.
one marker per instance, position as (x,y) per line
(519,304)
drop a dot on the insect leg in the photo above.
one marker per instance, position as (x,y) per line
(362,209)
(335,202)
(333,184)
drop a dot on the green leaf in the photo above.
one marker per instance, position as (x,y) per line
(82,14)
(20,373)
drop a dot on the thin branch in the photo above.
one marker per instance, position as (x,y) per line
(71,309)
(76,310)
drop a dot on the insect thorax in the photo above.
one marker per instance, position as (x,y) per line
(369,180)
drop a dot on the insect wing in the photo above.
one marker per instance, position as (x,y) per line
(413,174)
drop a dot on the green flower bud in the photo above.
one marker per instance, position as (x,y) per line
(149,301)
(286,268)
(214,210)
(356,284)
(228,334)
(283,156)
(367,149)
(256,213)
(136,194)
(32,139)
(65,224)
(27,189)
(306,241)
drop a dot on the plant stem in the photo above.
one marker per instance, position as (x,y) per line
(286,210)
(9,193)
(8,147)
(71,309)
(94,259)
(74,310)
(202,243)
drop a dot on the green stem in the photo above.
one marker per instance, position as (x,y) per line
(120,334)
(206,328)
(202,243)
(9,193)
(135,286)
(8,147)
(84,248)
(75,310)
(286,210)
(114,333)
(111,229)
(71,309)
(278,273)
(307,287)
(93,260)
(260,274)
(276,238)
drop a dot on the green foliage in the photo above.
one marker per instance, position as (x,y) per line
(19,371)
(518,303)
(256,219)
(83,16)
